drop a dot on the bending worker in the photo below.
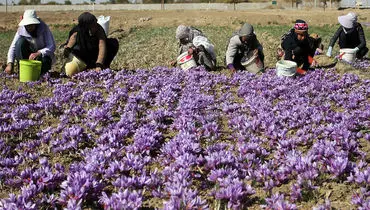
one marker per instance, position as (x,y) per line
(33,41)
(350,34)
(241,44)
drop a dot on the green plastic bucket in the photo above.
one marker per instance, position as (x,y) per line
(29,70)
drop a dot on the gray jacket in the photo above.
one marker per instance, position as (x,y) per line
(237,47)
(233,48)
(193,33)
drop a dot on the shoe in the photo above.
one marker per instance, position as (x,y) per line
(301,71)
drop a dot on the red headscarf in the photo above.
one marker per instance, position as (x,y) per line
(300,25)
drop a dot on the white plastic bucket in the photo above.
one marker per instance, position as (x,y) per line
(104,22)
(253,64)
(347,54)
(74,66)
(186,61)
(286,68)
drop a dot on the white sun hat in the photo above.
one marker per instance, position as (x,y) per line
(348,20)
(29,18)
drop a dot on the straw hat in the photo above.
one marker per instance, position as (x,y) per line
(29,18)
(347,20)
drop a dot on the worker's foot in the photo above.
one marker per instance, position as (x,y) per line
(301,71)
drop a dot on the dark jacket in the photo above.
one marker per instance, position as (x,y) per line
(87,46)
(300,49)
(349,38)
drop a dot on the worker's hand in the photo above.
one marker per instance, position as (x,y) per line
(173,63)
(314,63)
(231,68)
(192,50)
(318,51)
(34,56)
(328,53)
(66,51)
(97,69)
(280,53)
(9,68)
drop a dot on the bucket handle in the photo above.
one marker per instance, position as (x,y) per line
(257,60)
(341,55)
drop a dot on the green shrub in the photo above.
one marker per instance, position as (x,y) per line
(52,3)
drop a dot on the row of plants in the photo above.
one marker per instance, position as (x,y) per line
(173,139)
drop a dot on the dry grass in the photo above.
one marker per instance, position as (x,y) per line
(147,37)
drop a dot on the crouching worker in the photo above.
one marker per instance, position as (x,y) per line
(33,41)
(89,45)
(194,42)
(351,35)
(314,41)
(241,44)
(298,47)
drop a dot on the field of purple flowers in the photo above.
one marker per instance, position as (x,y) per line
(165,138)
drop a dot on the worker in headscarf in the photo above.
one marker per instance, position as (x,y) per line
(240,45)
(298,47)
(197,44)
(315,43)
(350,34)
(33,41)
(89,43)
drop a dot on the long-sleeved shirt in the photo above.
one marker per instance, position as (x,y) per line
(43,42)
(349,38)
(90,48)
(236,46)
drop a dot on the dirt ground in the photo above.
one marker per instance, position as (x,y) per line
(123,21)
(128,19)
